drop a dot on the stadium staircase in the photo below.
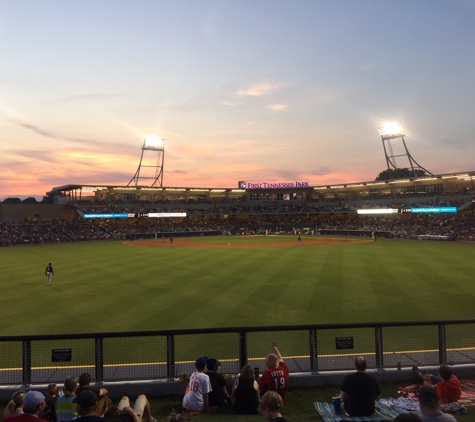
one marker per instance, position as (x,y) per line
(465,205)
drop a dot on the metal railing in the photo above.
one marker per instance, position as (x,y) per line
(43,359)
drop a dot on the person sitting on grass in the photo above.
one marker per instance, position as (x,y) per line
(430,407)
(448,389)
(51,400)
(65,408)
(15,405)
(86,403)
(141,409)
(430,380)
(196,395)
(33,405)
(447,384)
(103,401)
(245,393)
(271,407)
(276,376)
(219,393)
(426,379)
(360,390)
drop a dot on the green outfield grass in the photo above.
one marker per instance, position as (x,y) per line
(109,286)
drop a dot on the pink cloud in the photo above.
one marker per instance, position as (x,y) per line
(278,107)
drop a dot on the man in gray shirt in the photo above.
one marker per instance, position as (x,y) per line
(430,408)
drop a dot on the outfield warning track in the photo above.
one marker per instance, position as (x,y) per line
(253,242)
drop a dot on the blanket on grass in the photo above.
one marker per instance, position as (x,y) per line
(468,392)
(327,412)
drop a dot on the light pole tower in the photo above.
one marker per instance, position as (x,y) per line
(151,162)
(395,133)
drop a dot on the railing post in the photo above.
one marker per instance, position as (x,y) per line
(170,357)
(99,357)
(242,349)
(442,345)
(378,336)
(313,351)
(26,363)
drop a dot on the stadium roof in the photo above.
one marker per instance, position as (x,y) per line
(467,175)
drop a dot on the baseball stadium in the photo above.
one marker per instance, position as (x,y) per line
(146,277)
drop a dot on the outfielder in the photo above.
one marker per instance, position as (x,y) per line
(49,273)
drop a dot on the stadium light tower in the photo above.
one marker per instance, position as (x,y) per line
(151,162)
(391,132)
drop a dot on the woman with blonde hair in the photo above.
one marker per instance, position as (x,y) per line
(245,393)
(15,405)
(271,407)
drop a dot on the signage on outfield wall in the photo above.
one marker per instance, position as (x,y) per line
(107,215)
(428,210)
(165,214)
(266,185)
(433,210)
(378,211)
(150,214)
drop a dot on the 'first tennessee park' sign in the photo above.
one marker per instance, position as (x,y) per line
(244,185)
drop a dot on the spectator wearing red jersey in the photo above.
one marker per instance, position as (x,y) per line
(276,376)
(448,389)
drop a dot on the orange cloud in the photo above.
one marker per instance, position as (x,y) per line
(258,90)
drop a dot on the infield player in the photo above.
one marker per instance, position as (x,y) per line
(171,242)
(49,273)
(300,241)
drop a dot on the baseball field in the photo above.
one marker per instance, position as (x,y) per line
(232,281)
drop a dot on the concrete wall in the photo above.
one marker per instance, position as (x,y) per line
(175,387)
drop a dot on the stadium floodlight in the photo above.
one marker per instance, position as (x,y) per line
(151,162)
(396,171)
(154,143)
(391,130)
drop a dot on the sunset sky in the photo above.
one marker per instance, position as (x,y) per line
(255,90)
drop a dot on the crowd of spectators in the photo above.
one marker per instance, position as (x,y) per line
(207,390)
(53,232)
(263,208)
(459,226)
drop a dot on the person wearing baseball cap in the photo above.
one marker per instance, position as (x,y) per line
(196,394)
(33,405)
(219,393)
(86,403)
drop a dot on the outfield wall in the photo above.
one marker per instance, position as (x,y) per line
(166,235)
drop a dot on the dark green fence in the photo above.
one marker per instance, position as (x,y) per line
(166,354)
